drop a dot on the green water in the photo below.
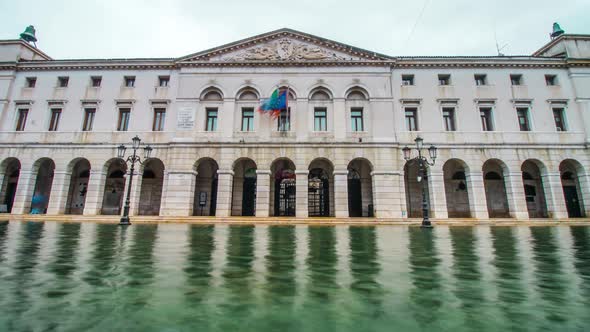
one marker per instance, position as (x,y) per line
(100,277)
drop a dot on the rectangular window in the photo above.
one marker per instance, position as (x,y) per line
(449,118)
(22,119)
(356,118)
(163,81)
(124,114)
(88,119)
(211,124)
(159,117)
(407,79)
(54,122)
(31,82)
(444,79)
(62,82)
(284,120)
(96,81)
(485,114)
(559,119)
(480,79)
(130,81)
(320,115)
(247,119)
(516,79)
(551,80)
(411,120)
(523,118)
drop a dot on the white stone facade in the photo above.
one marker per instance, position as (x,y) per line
(304,170)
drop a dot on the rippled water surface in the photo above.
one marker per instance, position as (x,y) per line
(101,277)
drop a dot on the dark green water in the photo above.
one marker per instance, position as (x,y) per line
(100,277)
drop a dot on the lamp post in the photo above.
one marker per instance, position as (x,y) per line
(136,141)
(423,164)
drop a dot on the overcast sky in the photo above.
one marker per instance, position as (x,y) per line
(173,28)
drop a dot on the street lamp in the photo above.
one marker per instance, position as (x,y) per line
(423,164)
(135,142)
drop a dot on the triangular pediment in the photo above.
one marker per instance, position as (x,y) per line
(284,46)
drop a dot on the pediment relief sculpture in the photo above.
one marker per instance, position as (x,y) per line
(285,50)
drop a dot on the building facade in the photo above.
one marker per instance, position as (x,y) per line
(512,132)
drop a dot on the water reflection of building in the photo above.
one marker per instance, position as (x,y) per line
(511,130)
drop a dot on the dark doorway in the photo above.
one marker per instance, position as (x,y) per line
(10,193)
(318,193)
(355,199)
(8,190)
(285,197)
(572,202)
(249,197)
(213,196)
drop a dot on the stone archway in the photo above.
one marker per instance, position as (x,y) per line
(534,188)
(205,203)
(282,188)
(320,192)
(152,182)
(570,171)
(413,189)
(244,188)
(456,189)
(11,170)
(80,174)
(114,188)
(495,188)
(44,169)
(360,188)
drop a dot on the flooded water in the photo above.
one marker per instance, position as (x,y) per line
(180,277)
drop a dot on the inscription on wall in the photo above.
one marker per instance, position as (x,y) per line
(185,118)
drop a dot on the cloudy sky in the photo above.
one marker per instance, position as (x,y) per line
(149,28)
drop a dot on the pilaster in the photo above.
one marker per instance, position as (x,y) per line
(225,180)
(477,195)
(180,193)
(386,194)
(24,191)
(341,193)
(59,192)
(95,192)
(515,195)
(436,192)
(262,193)
(301,199)
(553,188)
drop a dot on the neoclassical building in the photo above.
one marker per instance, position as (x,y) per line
(512,132)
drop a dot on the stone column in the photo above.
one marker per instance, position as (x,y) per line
(59,192)
(339,118)
(179,193)
(553,189)
(24,192)
(225,179)
(515,195)
(95,192)
(301,199)
(436,192)
(386,194)
(263,193)
(341,193)
(403,204)
(477,195)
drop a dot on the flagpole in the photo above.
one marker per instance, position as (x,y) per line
(288,110)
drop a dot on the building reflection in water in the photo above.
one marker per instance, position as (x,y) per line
(467,273)
(509,276)
(549,283)
(3,235)
(581,247)
(364,267)
(140,264)
(425,296)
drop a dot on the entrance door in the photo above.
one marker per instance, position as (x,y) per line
(10,192)
(285,197)
(213,197)
(355,201)
(571,201)
(249,197)
(319,202)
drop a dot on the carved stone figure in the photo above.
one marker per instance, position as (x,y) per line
(284,50)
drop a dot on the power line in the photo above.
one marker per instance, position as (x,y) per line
(426,2)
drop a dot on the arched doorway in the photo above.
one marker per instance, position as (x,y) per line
(152,181)
(414,188)
(360,189)
(80,170)
(44,169)
(456,189)
(206,188)
(114,187)
(283,189)
(534,190)
(11,169)
(319,189)
(495,188)
(570,171)
(244,188)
